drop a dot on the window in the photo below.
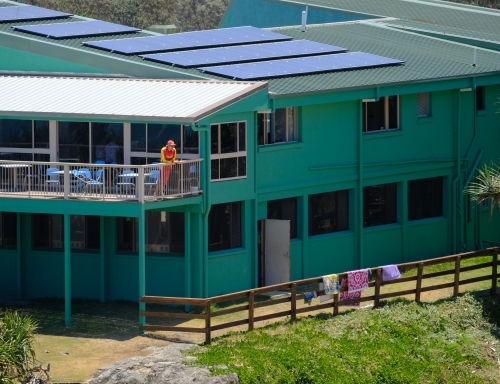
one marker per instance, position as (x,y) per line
(277,127)
(480,98)
(8,229)
(381,115)
(423,104)
(228,151)
(284,209)
(379,205)
(425,198)
(328,212)
(26,140)
(85,142)
(224,226)
(148,139)
(85,233)
(164,233)
(48,231)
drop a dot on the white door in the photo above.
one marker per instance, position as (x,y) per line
(276,251)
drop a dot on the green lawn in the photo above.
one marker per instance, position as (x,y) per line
(448,341)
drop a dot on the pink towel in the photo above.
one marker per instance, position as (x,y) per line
(357,280)
(345,295)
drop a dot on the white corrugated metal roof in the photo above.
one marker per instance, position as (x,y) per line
(181,101)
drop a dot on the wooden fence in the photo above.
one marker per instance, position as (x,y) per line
(294,296)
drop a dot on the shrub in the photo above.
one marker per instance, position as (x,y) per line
(17,355)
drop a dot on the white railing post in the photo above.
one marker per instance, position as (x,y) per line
(140,184)
(66,181)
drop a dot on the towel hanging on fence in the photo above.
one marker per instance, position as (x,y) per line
(346,295)
(331,284)
(357,280)
(390,272)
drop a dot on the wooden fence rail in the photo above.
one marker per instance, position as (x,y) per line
(294,296)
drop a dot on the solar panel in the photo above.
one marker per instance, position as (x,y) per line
(75,29)
(301,66)
(188,40)
(29,12)
(244,53)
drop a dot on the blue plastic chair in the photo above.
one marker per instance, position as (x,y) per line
(152,180)
(96,184)
(52,179)
(126,184)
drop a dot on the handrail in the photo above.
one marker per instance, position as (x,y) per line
(105,182)
(294,296)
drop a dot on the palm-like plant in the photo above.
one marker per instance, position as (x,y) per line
(486,186)
(17,355)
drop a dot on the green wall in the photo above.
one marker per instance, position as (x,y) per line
(266,14)
(15,60)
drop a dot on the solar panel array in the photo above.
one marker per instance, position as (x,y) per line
(29,12)
(75,29)
(188,40)
(248,53)
(244,53)
(301,66)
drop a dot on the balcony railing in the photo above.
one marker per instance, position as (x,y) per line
(141,183)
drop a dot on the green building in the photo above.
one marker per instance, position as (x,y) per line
(278,179)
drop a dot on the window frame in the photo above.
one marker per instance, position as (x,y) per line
(33,153)
(238,154)
(416,198)
(480,98)
(388,217)
(231,241)
(313,215)
(7,223)
(148,157)
(154,248)
(281,215)
(427,107)
(269,124)
(386,112)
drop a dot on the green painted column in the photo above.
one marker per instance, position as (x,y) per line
(304,223)
(19,255)
(142,264)
(102,261)
(359,192)
(404,219)
(187,256)
(67,270)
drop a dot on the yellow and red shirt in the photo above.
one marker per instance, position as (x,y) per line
(168,156)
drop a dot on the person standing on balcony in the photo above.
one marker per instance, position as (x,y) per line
(167,156)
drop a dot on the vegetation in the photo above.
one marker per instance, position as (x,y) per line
(187,15)
(17,354)
(486,186)
(449,341)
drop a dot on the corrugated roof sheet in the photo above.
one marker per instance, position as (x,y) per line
(467,20)
(119,99)
(425,59)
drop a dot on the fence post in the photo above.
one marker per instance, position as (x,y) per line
(208,336)
(456,282)
(251,301)
(293,302)
(419,282)
(376,302)
(335,304)
(494,273)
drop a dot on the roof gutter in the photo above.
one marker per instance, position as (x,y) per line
(274,95)
(63,74)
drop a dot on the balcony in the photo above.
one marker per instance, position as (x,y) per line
(100,182)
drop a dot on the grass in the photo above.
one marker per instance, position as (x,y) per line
(449,341)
